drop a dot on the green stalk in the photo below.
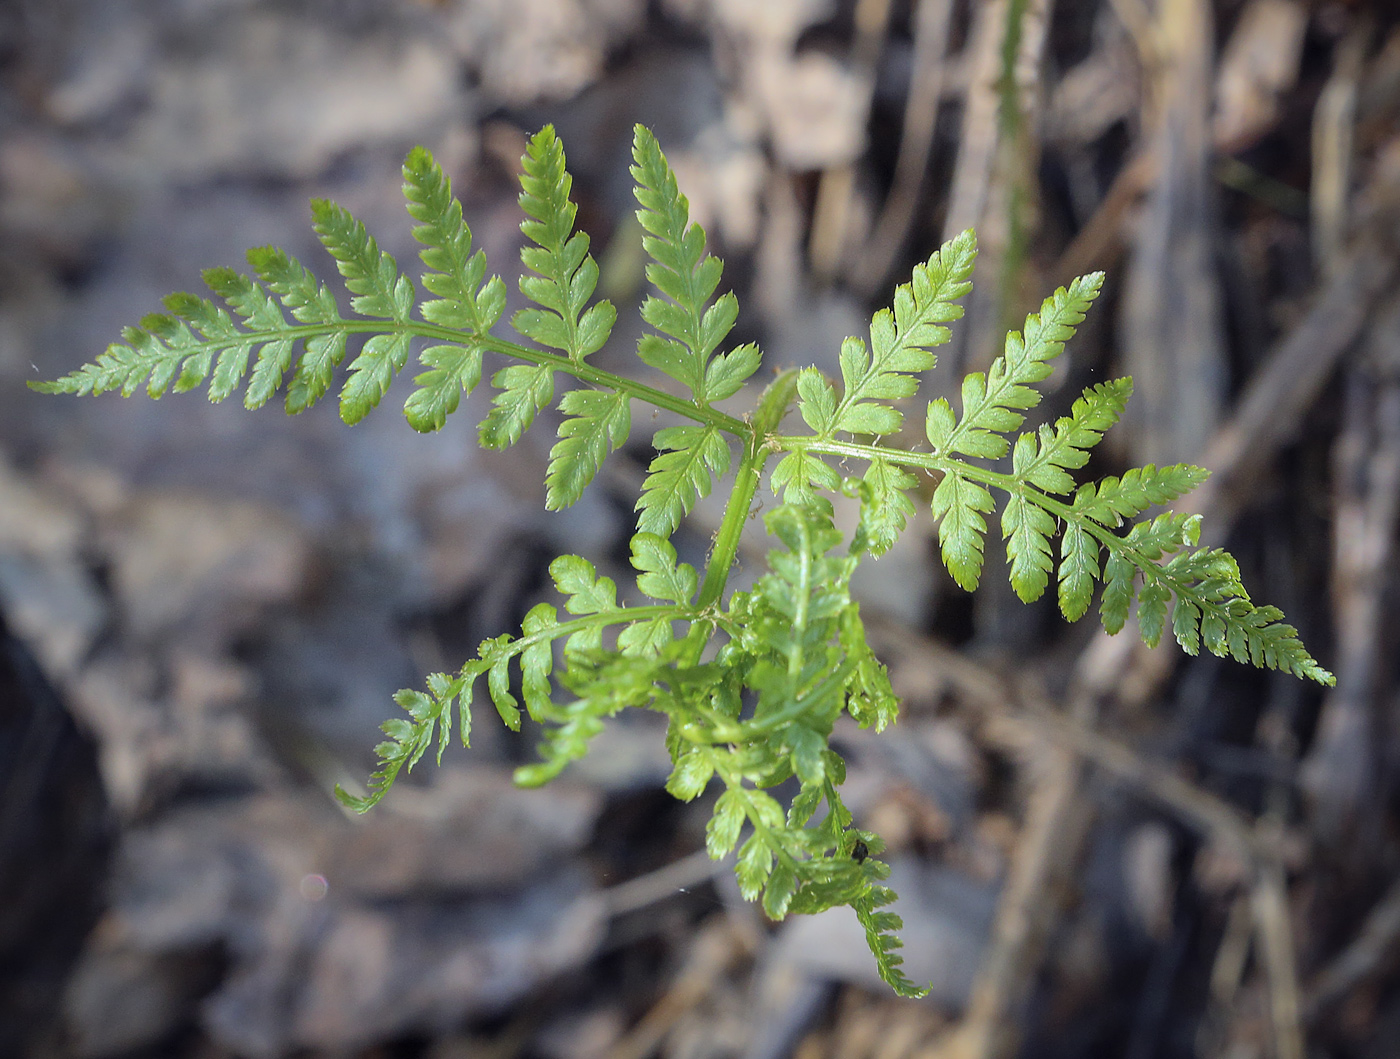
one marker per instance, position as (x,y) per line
(736,514)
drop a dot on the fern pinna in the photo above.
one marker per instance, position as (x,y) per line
(751,684)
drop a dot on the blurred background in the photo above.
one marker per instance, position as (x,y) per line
(1102,851)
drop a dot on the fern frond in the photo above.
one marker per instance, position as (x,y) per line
(599,421)
(687,276)
(565,272)
(373,278)
(901,340)
(786,656)
(684,472)
(992,404)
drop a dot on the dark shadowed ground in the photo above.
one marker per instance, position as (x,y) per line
(1102,851)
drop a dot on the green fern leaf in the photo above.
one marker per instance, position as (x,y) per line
(753,867)
(452,372)
(779,890)
(371,372)
(959,505)
(992,404)
(901,340)
(565,272)
(466,300)
(800,474)
(661,578)
(817,401)
(494,657)
(1186,626)
(1079,570)
(1118,592)
(691,775)
(1152,612)
(1111,500)
(1027,530)
(310,302)
(807,749)
(722,832)
(726,373)
(599,421)
(880,928)
(524,389)
(537,659)
(682,271)
(683,473)
(373,278)
(1166,534)
(886,509)
(578,581)
(1044,460)
(645,638)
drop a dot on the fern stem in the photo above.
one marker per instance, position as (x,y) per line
(600,377)
(619,616)
(736,514)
